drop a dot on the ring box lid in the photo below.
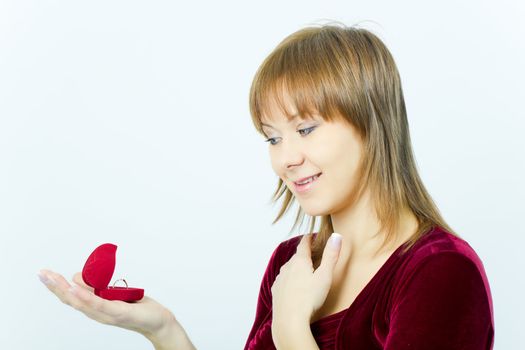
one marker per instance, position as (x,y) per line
(100,266)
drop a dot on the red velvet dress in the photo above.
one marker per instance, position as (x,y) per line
(435,296)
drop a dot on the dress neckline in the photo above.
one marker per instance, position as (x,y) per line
(362,294)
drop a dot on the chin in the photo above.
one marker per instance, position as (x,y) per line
(315,210)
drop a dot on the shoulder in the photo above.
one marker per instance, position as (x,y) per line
(439,245)
(440,259)
(281,254)
(440,298)
(285,250)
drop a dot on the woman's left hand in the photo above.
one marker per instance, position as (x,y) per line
(298,291)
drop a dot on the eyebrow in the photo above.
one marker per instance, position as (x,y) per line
(295,116)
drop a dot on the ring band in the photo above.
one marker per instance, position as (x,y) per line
(121,279)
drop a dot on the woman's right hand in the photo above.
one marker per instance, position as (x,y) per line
(146,316)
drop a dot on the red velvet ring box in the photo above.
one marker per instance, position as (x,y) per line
(97,273)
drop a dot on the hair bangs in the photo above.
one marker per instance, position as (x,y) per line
(339,72)
(287,81)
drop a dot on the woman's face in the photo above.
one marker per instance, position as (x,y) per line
(329,150)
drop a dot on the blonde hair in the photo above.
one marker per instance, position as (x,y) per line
(347,72)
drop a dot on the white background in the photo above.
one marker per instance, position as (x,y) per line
(128,122)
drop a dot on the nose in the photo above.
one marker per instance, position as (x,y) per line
(291,155)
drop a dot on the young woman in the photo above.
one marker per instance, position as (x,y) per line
(395,276)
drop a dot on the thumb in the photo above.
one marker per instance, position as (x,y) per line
(77,278)
(330,255)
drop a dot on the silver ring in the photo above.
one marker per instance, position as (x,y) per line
(126,283)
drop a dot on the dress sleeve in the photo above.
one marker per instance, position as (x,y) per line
(443,304)
(260,334)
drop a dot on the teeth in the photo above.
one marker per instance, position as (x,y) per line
(310,179)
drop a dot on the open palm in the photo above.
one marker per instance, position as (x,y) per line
(145,316)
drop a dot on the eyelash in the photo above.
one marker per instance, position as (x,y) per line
(310,129)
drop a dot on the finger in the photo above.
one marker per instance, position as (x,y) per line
(98,308)
(94,307)
(77,278)
(81,299)
(330,255)
(304,248)
(107,311)
(55,283)
(60,287)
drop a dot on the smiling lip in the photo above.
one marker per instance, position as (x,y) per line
(305,178)
(307,186)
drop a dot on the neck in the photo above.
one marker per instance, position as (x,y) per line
(360,228)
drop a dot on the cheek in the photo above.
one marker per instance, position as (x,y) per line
(346,180)
(341,163)
(346,172)
(328,157)
(275,166)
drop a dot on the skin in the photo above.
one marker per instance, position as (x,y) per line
(335,149)
(146,316)
(298,148)
(304,147)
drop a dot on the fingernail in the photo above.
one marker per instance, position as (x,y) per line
(335,240)
(46,279)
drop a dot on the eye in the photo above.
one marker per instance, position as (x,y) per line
(271,140)
(306,131)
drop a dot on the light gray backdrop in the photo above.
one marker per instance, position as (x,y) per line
(128,122)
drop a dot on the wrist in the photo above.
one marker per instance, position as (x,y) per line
(171,336)
(293,334)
